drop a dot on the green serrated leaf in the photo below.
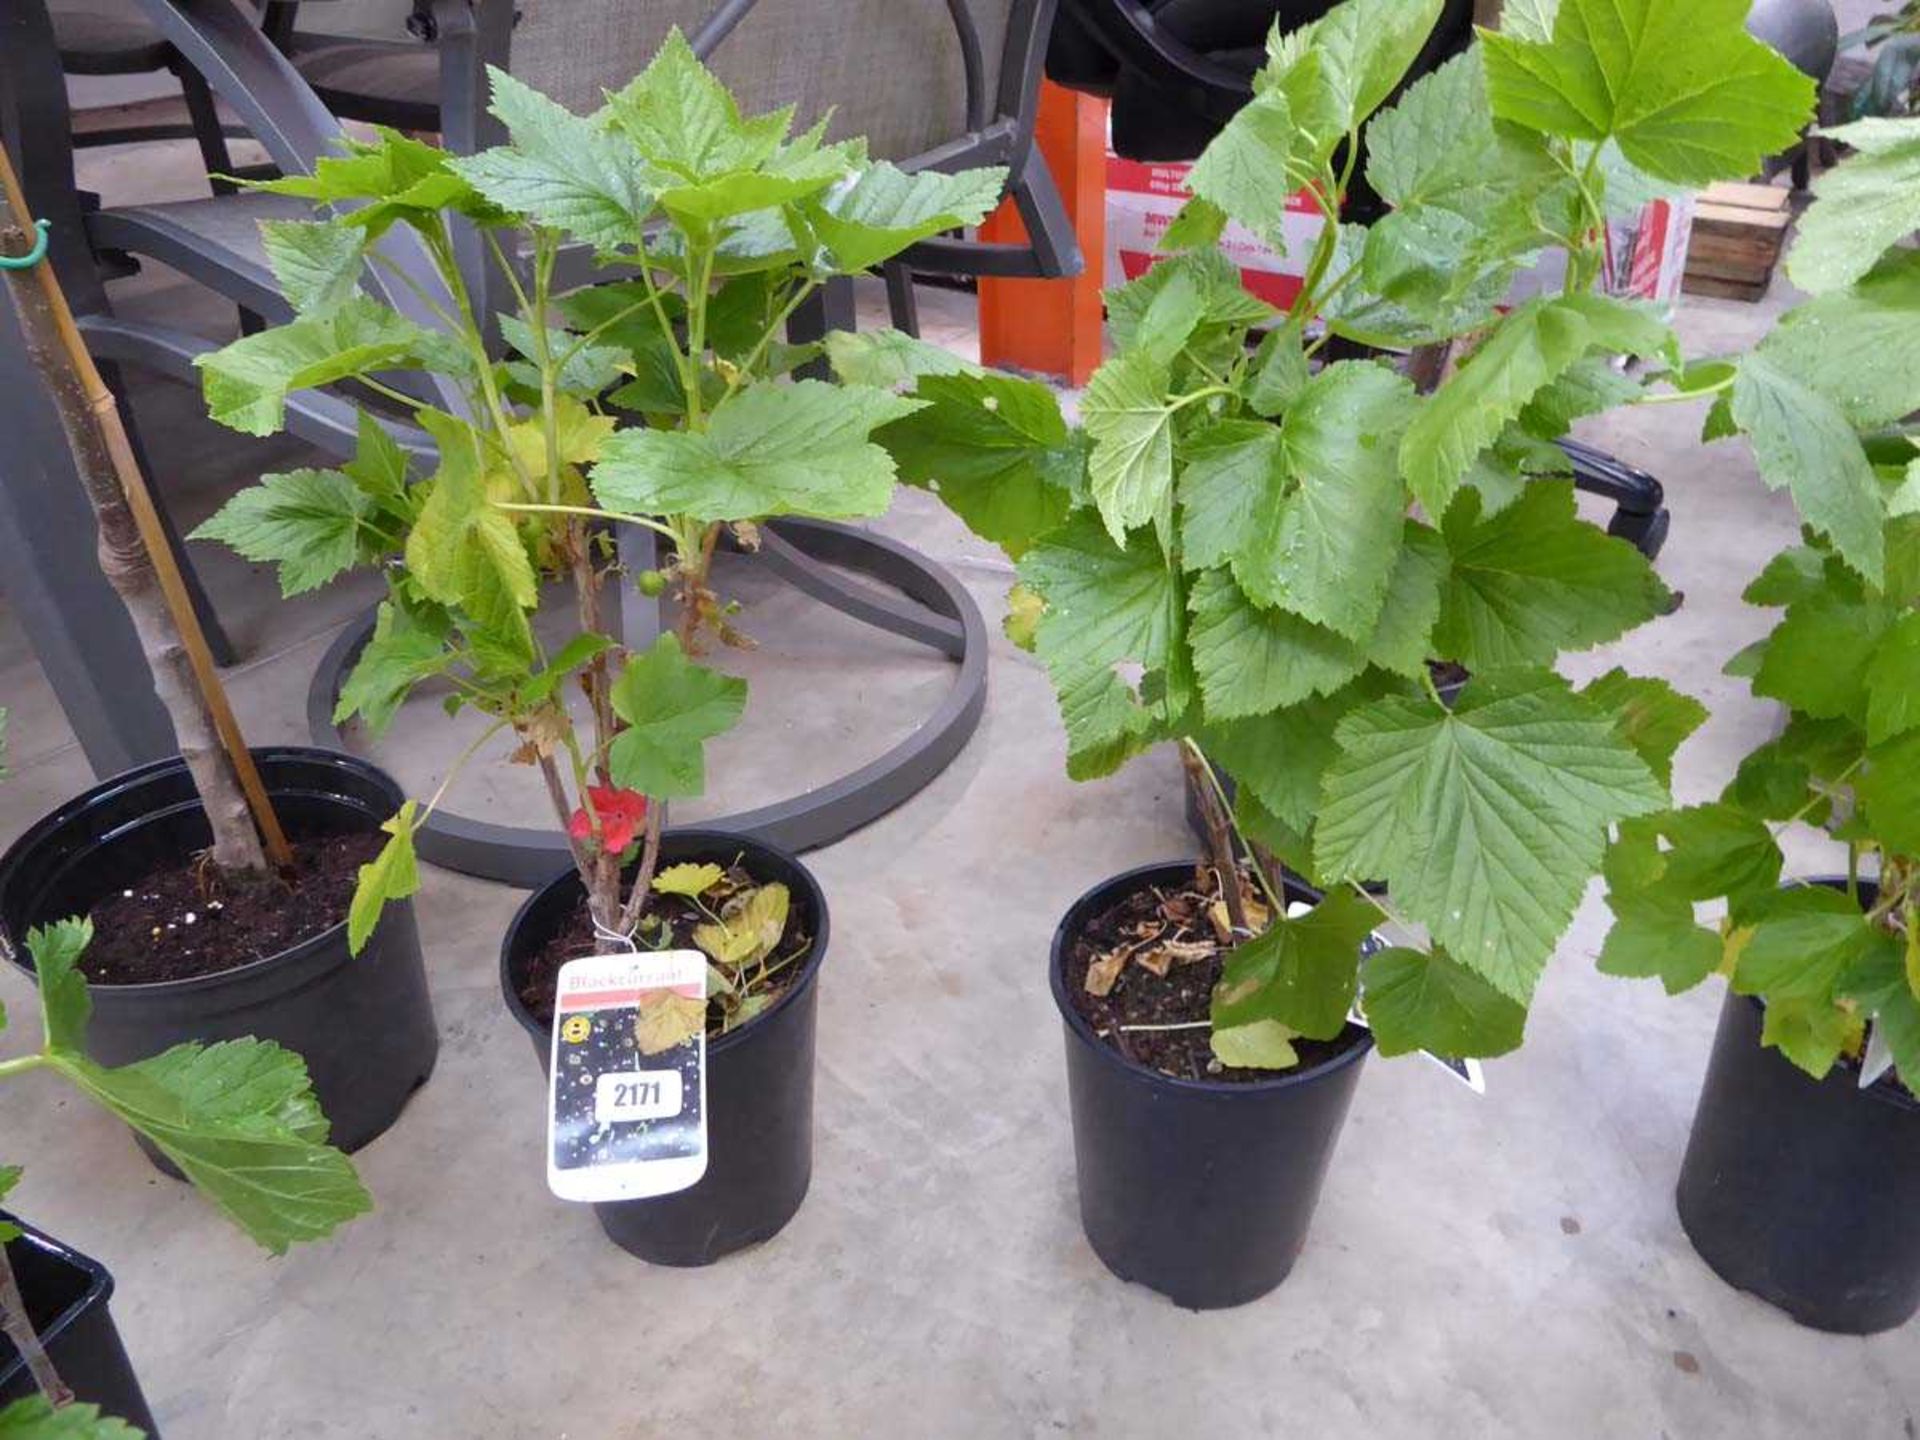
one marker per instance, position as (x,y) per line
(1802,440)
(793,173)
(380,468)
(1243,171)
(1250,660)
(64,1002)
(590,370)
(240,1122)
(1821,343)
(581,650)
(1225,301)
(1419,1001)
(1336,539)
(889,358)
(392,875)
(1536,580)
(313,524)
(1528,19)
(671,707)
(1589,386)
(1893,681)
(1803,946)
(1279,372)
(1301,973)
(1866,204)
(1817,657)
(1337,70)
(1773,781)
(1280,757)
(1650,715)
(1889,793)
(1485,820)
(1127,411)
(405,649)
(1883,985)
(1231,486)
(1689,95)
(315,263)
(1198,226)
(1466,195)
(1714,850)
(1107,607)
(1539,341)
(1402,642)
(1813,1034)
(247,383)
(1793,574)
(684,121)
(1659,941)
(887,209)
(997,451)
(561,170)
(33,1417)
(770,450)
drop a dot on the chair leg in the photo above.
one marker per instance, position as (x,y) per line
(214,153)
(218,643)
(206,126)
(829,308)
(902,305)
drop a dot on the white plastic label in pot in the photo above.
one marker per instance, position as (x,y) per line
(627,1108)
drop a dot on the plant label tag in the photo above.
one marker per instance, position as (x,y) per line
(1467,1072)
(1879,1057)
(627,1115)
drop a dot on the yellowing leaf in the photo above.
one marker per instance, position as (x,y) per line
(1263,1045)
(668,1020)
(687,879)
(578,435)
(750,928)
(393,874)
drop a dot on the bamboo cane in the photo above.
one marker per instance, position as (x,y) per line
(102,451)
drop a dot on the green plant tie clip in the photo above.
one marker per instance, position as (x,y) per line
(34,256)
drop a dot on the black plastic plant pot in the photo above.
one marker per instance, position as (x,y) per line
(1804,1192)
(759,1076)
(67,1299)
(363,1024)
(1200,1190)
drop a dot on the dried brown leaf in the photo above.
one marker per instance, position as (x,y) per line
(1158,961)
(1104,973)
(1222,923)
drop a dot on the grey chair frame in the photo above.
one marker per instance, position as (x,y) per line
(223,40)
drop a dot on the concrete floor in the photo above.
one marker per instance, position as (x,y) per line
(1498,1266)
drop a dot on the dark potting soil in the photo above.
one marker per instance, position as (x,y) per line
(1167,925)
(191,920)
(681,917)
